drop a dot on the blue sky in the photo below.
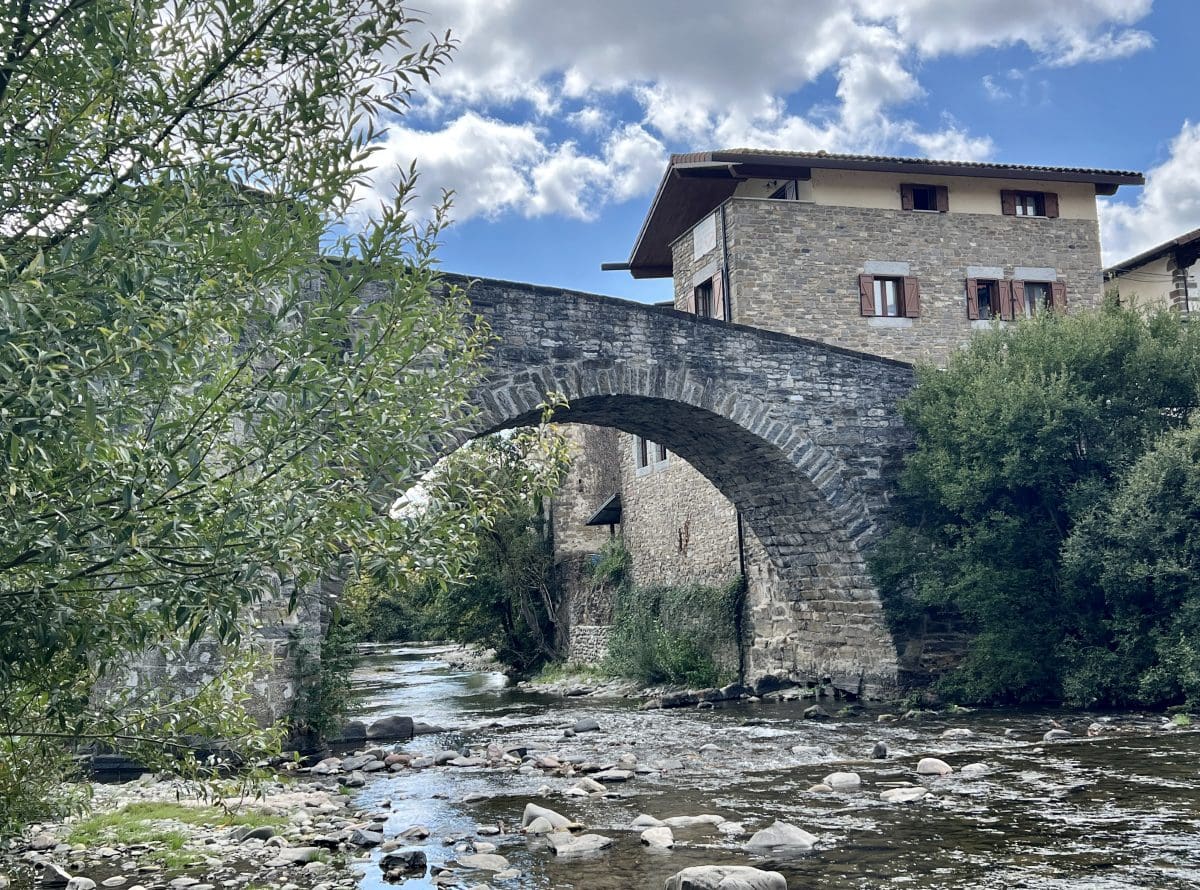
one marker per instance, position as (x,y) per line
(554,120)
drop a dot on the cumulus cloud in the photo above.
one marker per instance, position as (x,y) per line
(1168,206)
(552,108)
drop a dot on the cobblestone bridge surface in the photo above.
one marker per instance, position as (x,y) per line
(803,437)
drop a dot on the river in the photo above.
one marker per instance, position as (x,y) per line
(1119,810)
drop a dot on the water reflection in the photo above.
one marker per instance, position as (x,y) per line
(1118,811)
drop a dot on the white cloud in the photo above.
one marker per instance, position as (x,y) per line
(1168,206)
(524,119)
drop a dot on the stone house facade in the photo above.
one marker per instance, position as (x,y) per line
(902,258)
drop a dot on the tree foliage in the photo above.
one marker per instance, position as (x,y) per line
(507,598)
(1018,439)
(195,415)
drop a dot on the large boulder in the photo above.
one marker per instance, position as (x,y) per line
(725,877)
(565,844)
(842,781)
(533,811)
(659,837)
(781,835)
(397,728)
(903,795)
(931,766)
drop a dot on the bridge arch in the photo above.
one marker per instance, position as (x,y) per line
(803,438)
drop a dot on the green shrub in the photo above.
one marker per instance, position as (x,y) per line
(684,635)
(1019,439)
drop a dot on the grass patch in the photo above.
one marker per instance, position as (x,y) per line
(557,672)
(162,824)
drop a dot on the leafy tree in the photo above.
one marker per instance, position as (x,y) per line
(1133,566)
(507,598)
(195,415)
(1018,438)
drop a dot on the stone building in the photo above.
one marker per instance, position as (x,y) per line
(1161,277)
(897,257)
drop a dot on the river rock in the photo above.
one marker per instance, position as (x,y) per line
(587,724)
(842,781)
(415,833)
(781,835)
(407,861)
(467,761)
(361,837)
(484,861)
(298,855)
(613,775)
(931,766)
(253,833)
(358,761)
(903,795)
(659,837)
(441,758)
(566,844)
(725,877)
(819,788)
(644,821)
(557,821)
(974,770)
(959,732)
(1055,735)
(692,821)
(879,752)
(393,728)
(53,876)
(589,786)
(78,883)
(816,712)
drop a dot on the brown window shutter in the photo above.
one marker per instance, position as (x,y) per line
(1050,202)
(1017,291)
(1007,299)
(718,295)
(973,299)
(943,199)
(866,294)
(1008,202)
(1058,296)
(689,302)
(912,297)
(906,197)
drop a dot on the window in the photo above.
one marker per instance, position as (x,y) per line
(1030,297)
(929,198)
(985,299)
(708,297)
(1029,203)
(789,191)
(648,455)
(704,299)
(888,297)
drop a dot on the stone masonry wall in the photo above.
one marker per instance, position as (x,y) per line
(794,267)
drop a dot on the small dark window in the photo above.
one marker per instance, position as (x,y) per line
(660,452)
(789,191)
(642,452)
(988,294)
(1031,204)
(924,197)
(704,299)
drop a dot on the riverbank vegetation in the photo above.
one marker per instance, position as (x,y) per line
(1051,507)
(199,421)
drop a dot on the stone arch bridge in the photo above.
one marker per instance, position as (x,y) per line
(804,438)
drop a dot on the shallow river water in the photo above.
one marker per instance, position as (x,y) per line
(1119,810)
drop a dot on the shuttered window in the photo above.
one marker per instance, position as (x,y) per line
(1014,203)
(929,198)
(889,297)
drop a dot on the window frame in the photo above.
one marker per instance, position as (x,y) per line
(908,295)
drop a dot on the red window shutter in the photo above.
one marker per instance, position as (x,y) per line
(1008,202)
(718,295)
(866,294)
(906,197)
(1017,291)
(1050,203)
(1008,299)
(912,297)
(1058,296)
(973,299)
(943,199)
